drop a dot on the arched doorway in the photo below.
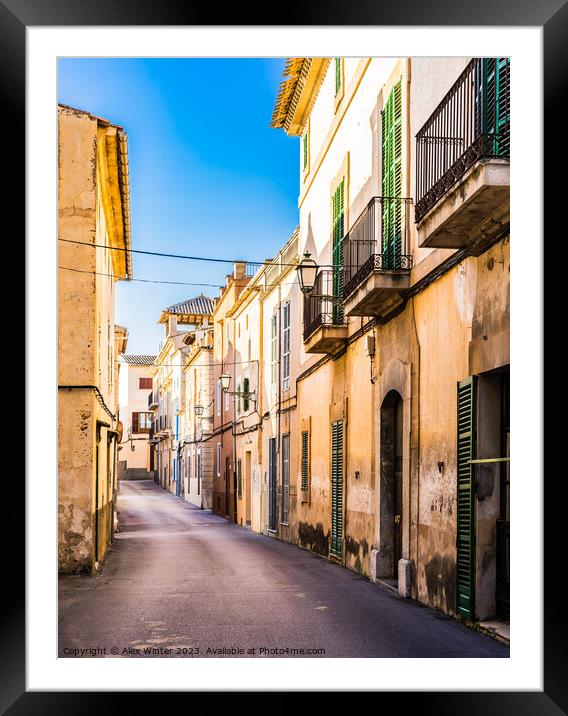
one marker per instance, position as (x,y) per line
(391,484)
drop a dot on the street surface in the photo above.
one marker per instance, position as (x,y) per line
(179,581)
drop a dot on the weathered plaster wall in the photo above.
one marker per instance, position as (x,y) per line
(75,452)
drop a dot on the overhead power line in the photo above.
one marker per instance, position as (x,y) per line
(175,283)
(188,258)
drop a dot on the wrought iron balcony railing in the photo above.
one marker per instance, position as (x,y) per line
(472,122)
(377,241)
(319,310)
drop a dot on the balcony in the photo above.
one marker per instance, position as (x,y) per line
(325,329)
(153,400)
(376,262)
(462,159)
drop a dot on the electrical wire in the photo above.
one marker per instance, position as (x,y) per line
(142,280)
(175,283)
(188,258)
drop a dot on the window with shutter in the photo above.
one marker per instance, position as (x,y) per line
(245,396)
(286,346)
(392,179)
(273,349)
(337,488)
(465,540)
(496,74)
(285,477)
(144,383)
(337,75)
(239,479)
(338,225)
(305,462)
(135,422)
(305,149)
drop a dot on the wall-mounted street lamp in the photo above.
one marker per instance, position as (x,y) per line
(199,413)
(307,275)
(307,272)
(225,379)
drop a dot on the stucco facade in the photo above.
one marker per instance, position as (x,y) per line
(377,388)
(224,356)
(135,386)
(197,454)
(93,218)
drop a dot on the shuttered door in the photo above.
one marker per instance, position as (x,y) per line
(338,223)
(337,488)
(392,179)
(465,498)
(496,72)
(272,484)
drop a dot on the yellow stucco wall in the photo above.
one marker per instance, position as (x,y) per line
(86,350)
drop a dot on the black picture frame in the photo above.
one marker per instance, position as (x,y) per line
(552,16)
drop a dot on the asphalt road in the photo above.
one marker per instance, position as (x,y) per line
(181,582)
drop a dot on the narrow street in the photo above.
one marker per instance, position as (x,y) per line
(185,583)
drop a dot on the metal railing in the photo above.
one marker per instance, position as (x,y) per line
(319,310)
(252,268)
(377,241)
(472,122)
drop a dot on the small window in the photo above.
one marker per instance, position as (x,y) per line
(218,397)
(144,383)
(141,422)
(218,459)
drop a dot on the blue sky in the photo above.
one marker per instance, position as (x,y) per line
(208,176)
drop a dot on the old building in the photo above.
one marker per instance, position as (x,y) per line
(135,388)
(94,252)
(281,316)
(247,328)
(169,386)
(196,449)
(225,488)
(403,371)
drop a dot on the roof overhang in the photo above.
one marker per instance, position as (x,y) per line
(114,182)
(297,93)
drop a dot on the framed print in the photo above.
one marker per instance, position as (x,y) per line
(305,456)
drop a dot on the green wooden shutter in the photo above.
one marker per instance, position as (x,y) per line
(337,75)
(305,143)
(305,459)
(496,72)
(465,540)
(246,392)
(239,479)
(392,179)
(337,488)
(338,224)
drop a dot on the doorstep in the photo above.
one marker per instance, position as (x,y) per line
(498,630)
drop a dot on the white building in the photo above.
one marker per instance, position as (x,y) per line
(135,387)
